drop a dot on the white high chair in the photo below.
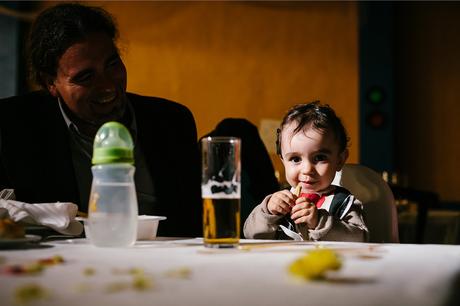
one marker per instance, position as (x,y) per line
(377,198)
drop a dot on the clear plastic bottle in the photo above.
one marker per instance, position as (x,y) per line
(112,209)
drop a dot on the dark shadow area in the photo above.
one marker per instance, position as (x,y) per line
(424,200)
(453,296)
(25,246)
(21,12)
(350,280)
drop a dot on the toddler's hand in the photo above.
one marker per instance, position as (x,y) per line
(281,202)
(305,212)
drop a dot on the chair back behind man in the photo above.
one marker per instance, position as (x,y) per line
(257,172)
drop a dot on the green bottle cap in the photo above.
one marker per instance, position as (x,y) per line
(113,144)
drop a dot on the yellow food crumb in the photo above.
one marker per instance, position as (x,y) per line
(89,271)
(51,261)
(136,271)
(83,288)
(116,287)
(58,259)
(130,271)
(33,268)
(93,202)
(315,264)
(141,283)
(183,273)
(28,293)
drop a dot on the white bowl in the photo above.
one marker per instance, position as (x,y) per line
(147,226)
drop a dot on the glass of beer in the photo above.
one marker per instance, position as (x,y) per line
(221,191)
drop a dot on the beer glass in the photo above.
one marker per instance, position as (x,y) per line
(221,191)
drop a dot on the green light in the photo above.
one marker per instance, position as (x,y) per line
(375,95)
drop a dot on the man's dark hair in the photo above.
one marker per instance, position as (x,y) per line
(59,27)
(321,117)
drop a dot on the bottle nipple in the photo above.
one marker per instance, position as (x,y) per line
(113,144)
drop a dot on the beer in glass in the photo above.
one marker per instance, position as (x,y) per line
(221,191)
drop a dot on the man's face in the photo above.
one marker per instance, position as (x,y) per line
(91,80)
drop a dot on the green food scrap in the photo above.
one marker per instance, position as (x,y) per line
(142,283)
(315,264)
(28,293)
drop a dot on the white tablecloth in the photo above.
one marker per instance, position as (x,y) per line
(386,274)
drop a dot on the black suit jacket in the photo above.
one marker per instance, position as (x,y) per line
(36,161)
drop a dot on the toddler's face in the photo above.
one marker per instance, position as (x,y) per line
(310,157)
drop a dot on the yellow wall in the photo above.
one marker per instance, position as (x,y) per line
(251,60)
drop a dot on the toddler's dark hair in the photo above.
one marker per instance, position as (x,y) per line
(321,116)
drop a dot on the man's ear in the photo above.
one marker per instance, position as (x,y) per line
(50,85)
(342,159)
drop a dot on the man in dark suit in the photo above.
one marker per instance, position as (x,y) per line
(46,136)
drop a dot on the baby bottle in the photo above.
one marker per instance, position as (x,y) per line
(112,208)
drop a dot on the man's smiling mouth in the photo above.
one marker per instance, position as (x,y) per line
(106,99)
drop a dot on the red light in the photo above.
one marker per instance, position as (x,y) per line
(376,119)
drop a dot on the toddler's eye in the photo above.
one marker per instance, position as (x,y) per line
(320,157)
(294,159)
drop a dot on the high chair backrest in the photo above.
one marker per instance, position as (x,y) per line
(377,198)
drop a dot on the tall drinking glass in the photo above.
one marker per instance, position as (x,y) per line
(221,191)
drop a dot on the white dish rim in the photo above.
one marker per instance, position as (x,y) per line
(140,218)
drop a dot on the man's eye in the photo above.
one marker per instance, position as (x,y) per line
(83,78)
(114,62)
(320,157)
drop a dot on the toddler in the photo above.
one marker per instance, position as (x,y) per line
(312,145)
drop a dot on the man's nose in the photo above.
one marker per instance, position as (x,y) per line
(105,83)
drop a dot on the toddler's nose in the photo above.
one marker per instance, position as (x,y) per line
(307,168)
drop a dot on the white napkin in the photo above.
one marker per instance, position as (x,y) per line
(58,216)
(292,234)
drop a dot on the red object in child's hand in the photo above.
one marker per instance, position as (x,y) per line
(311,197)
